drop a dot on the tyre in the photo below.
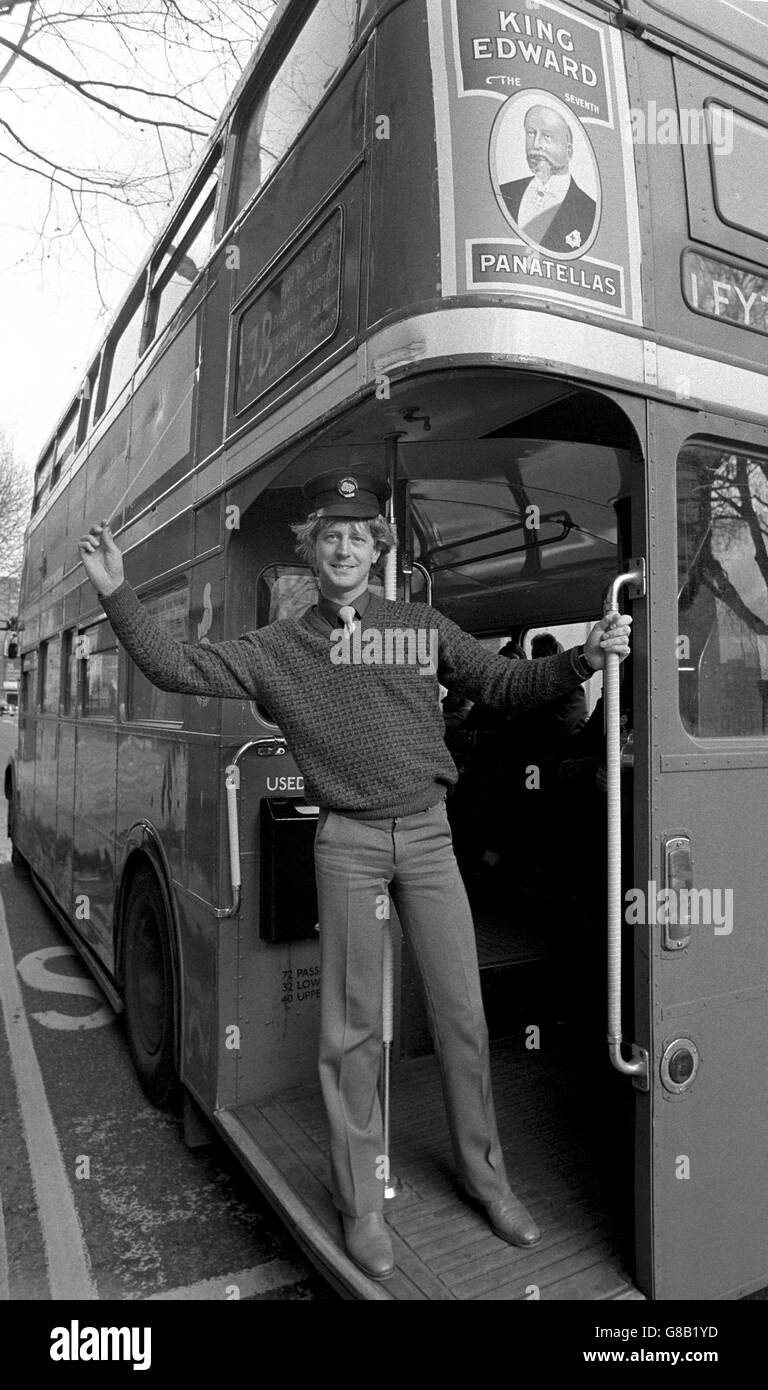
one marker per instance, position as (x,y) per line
(20,865)
(148,991)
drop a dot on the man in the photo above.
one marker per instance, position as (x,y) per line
(368,738)
(550,208)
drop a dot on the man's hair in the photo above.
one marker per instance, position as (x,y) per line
(307,532)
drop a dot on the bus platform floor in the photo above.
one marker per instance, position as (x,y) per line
(567,1144)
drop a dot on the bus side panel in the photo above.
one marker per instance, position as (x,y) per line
(403,251)
(152,786)
(46,749)
(24,771)
(199,944)
(204,873)
(93,869)
(65,807)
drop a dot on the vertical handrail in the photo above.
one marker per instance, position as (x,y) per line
(638,1066)
(387,964)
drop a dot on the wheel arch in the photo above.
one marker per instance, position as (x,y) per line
(144,849)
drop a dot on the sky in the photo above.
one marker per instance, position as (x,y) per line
(57,292)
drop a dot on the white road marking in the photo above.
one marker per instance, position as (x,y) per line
(35,972)
(5,1291)
(274,1275)
(69,1273)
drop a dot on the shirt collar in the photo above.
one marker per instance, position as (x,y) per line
(555,187)
(328,608)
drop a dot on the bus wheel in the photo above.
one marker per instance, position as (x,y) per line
(19,863)
(149,992)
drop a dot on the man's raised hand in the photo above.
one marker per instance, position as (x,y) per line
(102,560)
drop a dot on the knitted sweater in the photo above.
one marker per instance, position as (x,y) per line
(367,734)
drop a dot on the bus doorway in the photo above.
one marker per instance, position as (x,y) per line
(520,541)
(513,531)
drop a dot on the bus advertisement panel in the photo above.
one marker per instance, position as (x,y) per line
(534,138)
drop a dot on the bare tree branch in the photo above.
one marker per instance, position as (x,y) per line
(21,42)
(79,87)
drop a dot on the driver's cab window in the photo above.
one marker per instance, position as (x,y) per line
(285,591)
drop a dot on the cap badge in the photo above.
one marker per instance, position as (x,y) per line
(347,487)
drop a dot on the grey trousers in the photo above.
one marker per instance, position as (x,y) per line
(357,865)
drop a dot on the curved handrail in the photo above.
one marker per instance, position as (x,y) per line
(232,785)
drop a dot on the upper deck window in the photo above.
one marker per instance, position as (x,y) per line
(740,175)
(65,442)
(122,353)
(183,254)
(42,479)
(296,88)
(722,557)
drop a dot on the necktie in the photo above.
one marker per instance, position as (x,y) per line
(348,615)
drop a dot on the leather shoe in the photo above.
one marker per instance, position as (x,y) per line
(369,1245)
(512,1222)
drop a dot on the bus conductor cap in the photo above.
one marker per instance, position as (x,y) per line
(357,495)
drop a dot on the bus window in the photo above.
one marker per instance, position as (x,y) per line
(741,200)
(50,676)
(722,556)
(28,675)
(121,355)
(297,87)
(99,684)
(182,256)
(145,701)
(65,443)
(88,395)
(42,479)
(70,672)
(284,591)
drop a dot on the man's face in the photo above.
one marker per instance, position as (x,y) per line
(344,554)
(547,143)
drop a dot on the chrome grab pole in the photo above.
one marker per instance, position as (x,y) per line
(232,786)
(634,579)
(388,980)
